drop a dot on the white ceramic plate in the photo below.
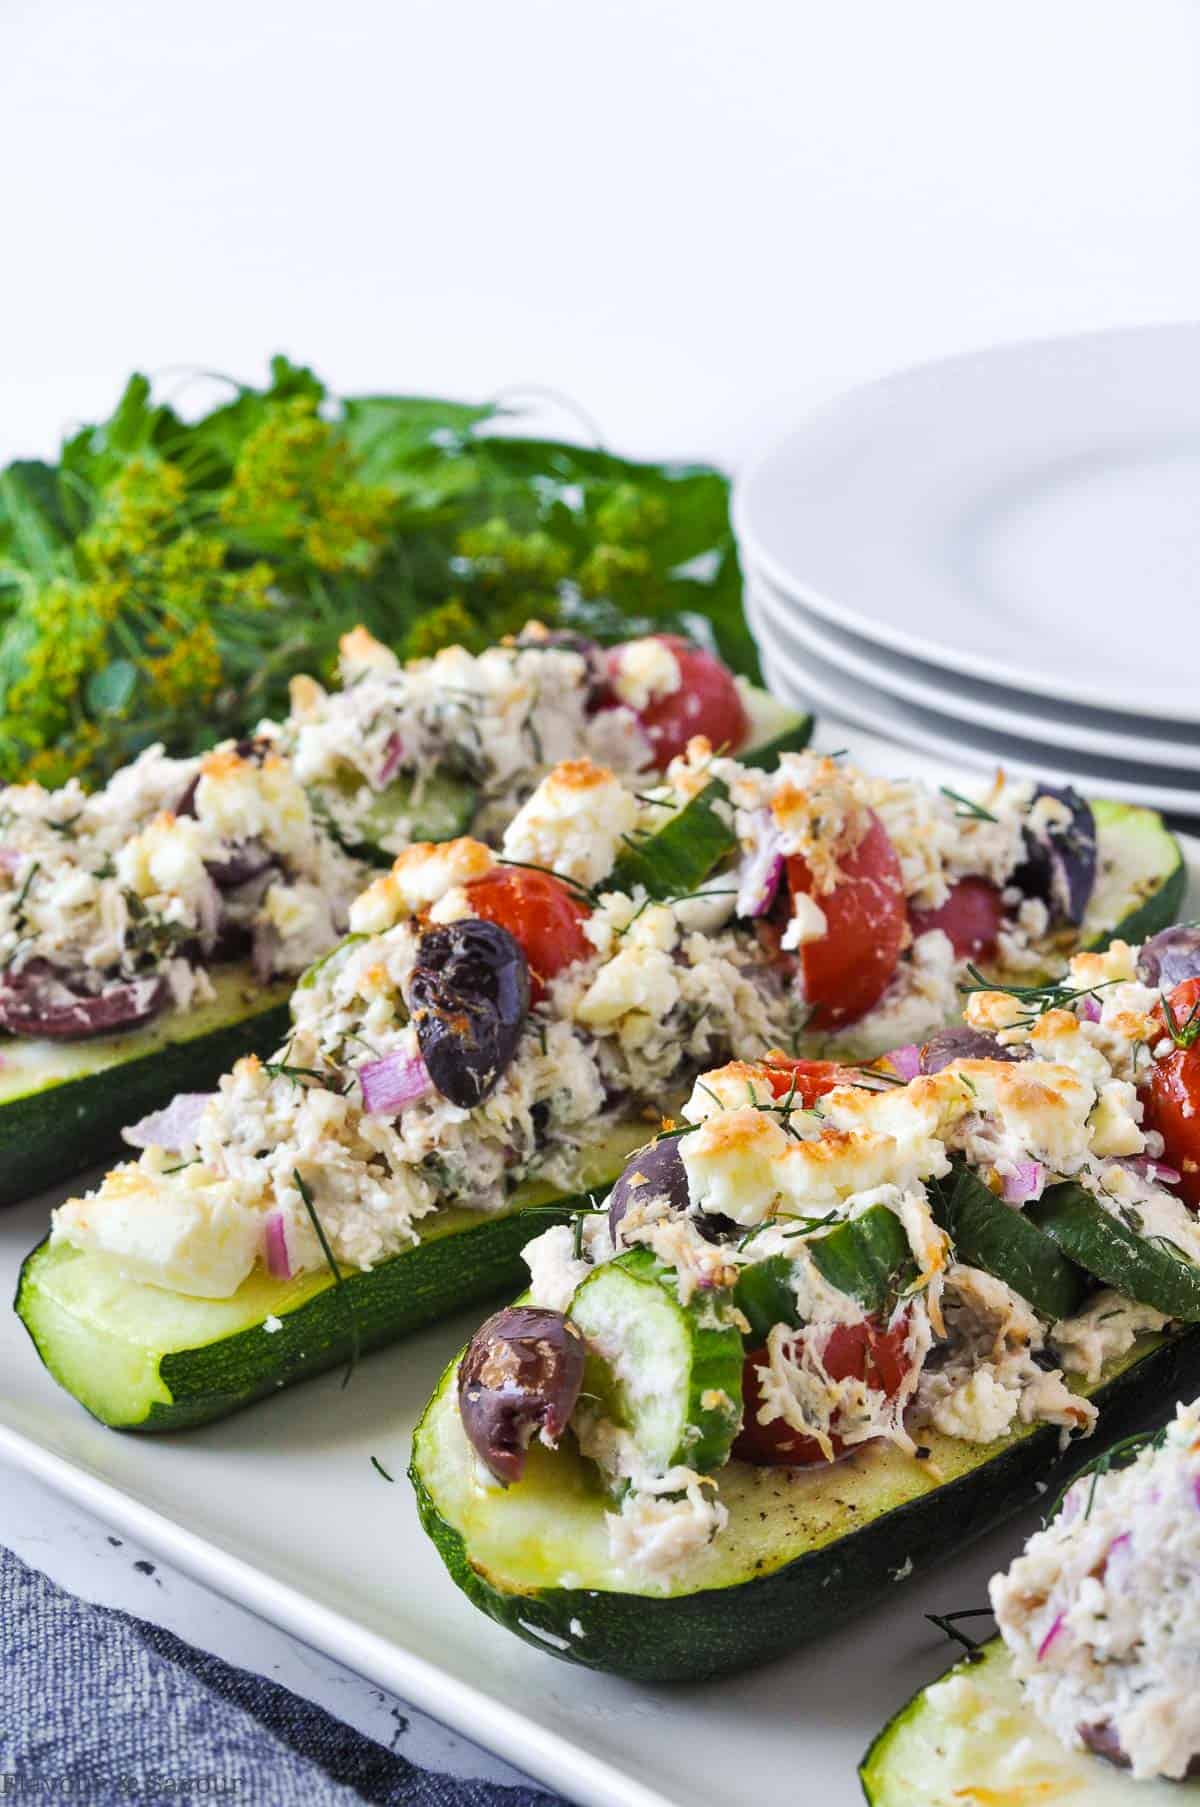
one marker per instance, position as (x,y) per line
(1016,514)
(806,680)
(967,699)
(281,1510)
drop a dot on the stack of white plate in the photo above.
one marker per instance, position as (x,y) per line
(996,559)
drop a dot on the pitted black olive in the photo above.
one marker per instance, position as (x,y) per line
(469,998)
(656,1171)
(521,1374)
(1060,857)
(1171,956)
(966,1044)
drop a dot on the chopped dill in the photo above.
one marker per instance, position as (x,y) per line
(335,1270)
(947,1624)
(1120,1455)
(377,1465)
(970,811)
(1184,1035)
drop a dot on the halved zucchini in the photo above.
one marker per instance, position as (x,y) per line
(979,1742)
(142,1358)
(1141,878)
(775,728)
(803,1547)
(63,1104)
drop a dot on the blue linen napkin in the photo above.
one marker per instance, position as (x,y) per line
(101,1708)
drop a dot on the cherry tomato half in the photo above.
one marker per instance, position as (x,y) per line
(864,1351)
(1172,1097)
(540,912)
(971,917)
(707,702)
(848,969)
(804,1080)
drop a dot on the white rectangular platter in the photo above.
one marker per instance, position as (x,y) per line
(281,1509)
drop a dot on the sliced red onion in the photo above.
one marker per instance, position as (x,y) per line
(275,1247)
(393,753)
(1044,1647)
(209,910)
(1117,1556)
(1151,1169)
(1089,1009)
(761,869)
(174,1127)
(1025,1182)
(392,1082)
(905,1061)
(11,859)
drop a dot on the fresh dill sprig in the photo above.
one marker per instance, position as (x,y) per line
(1120,1455)
(335,1270)
(1052,994)
(377,1465)
(970,811)
(572,884)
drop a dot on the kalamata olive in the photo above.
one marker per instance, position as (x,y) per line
(656,1171)
(521,1374)
(965,1044)
(1103,1741)
(1060,856)
(469,998)
(40,1001)
(248,860)
(1171,956)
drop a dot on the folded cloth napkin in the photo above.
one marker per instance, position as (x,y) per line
(100,1708)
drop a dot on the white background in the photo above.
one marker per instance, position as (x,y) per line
(695,218)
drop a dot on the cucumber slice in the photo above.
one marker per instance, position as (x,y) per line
(142,1358)
(62,1104)
(440,808)
(775,728)
(989,1746)
(670,1374)
(1116,1254)
(803,1548)
(1003,1241)
(676,858)
(866,1257)
(765,1296)
(1141,878)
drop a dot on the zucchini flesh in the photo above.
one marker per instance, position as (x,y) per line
(802,1549)
(1002,1240)
(988,1746)
(679,1392)
(142,1358)
(63,1104)
(1116,1254)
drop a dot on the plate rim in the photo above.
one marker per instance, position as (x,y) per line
(471,1711)
(787,679)
(782,611)
(883,632)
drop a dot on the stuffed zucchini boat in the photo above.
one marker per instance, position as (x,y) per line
(148,931)
(637,916)
(831,1327)
(1092,1690)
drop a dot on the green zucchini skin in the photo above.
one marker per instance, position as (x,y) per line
(790,737)
(48,1135)
(142,1359)
(715,1631)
